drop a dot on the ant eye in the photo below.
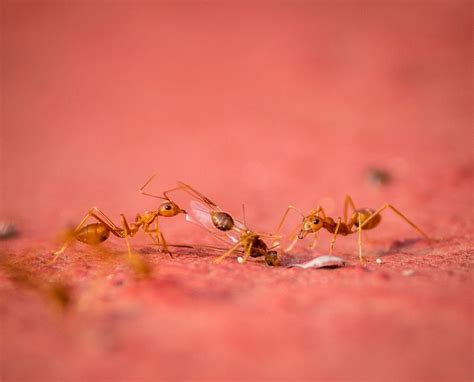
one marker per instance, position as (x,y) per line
(316,221)
(167,207)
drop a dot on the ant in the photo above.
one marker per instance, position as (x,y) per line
(96,233)
(210,216)
(361,219)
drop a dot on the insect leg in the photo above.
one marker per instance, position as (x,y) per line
(152,233)
(197,195)
(359,239)
(228,253)
(142,189)
(320,212)
(285,215)
(385,206)
(159,235)
(348,202)
(247,254)
(293,237)
(130,231)
(315,241)
(335,235)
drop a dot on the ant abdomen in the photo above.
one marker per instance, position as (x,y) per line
(365,213)
(222,220)
(92,234)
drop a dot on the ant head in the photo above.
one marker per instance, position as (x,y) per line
(271,258)
(169,208)
(311,224)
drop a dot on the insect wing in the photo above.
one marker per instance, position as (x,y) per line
(197,195)
(199,214)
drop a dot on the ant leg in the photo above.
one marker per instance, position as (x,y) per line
(159,235)
(129,249)
(247,254)
(320,212)
(348,201)
(196,194)
(243,214)
(292,244)
(152,233)
(335,236)
(165,193)
(127,231)
(165,246)
(157,229)
(293,237)
(228,253)
(69,240)
(366,237)
(288,209)
(142,189)
(315,241)
(359,239)
(277,231)
(385,206)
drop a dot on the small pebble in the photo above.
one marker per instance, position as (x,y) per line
(240,260)
(321,262)
(408,272)
(378,261)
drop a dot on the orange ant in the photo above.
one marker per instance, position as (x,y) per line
(361,219)
(210,216)
(96,233)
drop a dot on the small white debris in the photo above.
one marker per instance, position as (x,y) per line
(240,260)
(321,262)
(379,261)
(408,272)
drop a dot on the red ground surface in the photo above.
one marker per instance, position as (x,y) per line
(265,105)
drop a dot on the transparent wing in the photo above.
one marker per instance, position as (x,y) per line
(199,214)
(197,195)
(204,208)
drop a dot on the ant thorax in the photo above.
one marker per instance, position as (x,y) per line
(148,217)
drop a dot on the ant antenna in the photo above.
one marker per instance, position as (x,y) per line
(142,189)
(243,212)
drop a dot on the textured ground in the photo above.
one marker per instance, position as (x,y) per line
(265,105)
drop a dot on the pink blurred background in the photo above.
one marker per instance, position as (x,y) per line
(262,103)
(259,103)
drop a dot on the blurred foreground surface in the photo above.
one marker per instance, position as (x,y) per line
(407,318)
(256,104)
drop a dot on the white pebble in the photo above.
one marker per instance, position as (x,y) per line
(321,262)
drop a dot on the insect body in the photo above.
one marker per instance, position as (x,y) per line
(222,220)
(96,233)
(92,234)
(361,219)
(227,229)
